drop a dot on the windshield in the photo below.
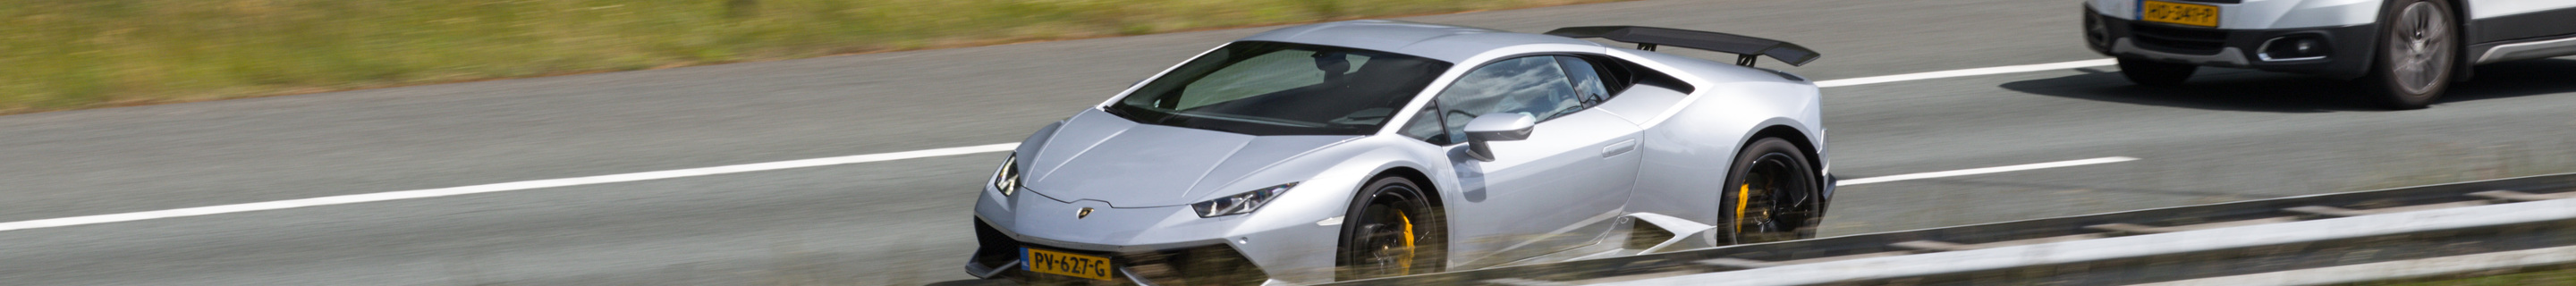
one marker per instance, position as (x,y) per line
(1270,88)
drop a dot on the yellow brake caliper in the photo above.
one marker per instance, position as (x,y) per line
(1407,257)
(1743,196)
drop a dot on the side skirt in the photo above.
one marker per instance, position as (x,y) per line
(2547,47)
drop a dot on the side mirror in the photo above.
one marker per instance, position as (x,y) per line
(1496,127)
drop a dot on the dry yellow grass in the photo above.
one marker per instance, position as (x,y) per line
(79,54)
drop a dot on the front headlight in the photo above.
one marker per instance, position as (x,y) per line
(1007,179)
(1243,203)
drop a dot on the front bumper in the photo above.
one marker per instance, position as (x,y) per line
(2348,48)
(998,255)
(1168,245)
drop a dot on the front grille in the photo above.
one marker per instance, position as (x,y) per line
(2178,40)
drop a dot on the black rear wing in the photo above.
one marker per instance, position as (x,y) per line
(1744,47)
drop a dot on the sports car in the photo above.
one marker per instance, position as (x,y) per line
(1360,149)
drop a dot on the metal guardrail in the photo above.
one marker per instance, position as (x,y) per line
(2173,245)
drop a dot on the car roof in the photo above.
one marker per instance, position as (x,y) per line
(1434,41)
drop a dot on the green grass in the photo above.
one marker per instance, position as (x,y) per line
(2564,276)
(90,53)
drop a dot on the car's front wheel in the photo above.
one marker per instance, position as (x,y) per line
(1392,229)
(2416,52)
(1771,194)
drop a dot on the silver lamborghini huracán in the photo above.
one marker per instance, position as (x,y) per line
(1363,149)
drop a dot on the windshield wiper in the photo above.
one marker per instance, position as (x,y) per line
(1250,119)
(1113,110)
(1125,112)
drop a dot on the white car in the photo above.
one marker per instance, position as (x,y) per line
(1362,149)
(2408,51)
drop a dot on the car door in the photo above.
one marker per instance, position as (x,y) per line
(1558,189)
(2519,21)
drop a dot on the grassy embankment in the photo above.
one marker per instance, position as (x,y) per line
(57,55)
(2562,276)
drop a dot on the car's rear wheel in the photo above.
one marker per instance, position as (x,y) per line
(1771,194)
(2154,73)
(1392,229)
(2417,49)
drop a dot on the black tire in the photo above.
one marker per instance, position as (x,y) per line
(2154,73)
(2417,50)
(1374,241)
(1771,194)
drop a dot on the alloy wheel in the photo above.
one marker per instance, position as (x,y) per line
(1773,202)
(2421,45)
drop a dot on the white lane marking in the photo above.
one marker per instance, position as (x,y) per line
(501,187)
(1966,72)
(816,162)
(1986,170)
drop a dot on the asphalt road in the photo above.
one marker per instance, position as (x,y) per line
(2231,135)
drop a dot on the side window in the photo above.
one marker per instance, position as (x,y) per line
(1587,79)
(1536,86)
(1426,126)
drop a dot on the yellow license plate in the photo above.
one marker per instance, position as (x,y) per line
(1067,264)
(2178,13)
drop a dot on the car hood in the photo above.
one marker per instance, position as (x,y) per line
(1098,156)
